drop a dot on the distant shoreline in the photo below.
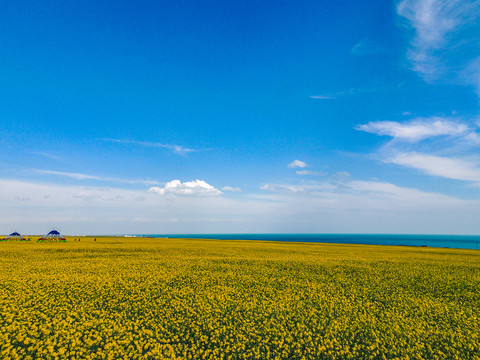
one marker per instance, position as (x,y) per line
(433,241)
(416,240)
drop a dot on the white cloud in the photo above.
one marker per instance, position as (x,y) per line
(80,176)
(282,188)
(323,97)
(416,129)
(448,157)
(450,168)
(297,164)
(437,25)
(232,189)
(189,188)
(177,149)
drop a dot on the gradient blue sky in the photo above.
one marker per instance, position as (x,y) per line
(204,116)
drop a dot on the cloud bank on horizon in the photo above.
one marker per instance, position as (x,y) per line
(377,132)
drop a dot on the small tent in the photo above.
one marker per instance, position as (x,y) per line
(53,236)
(15,237)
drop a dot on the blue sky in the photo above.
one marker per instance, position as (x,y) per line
(190,117)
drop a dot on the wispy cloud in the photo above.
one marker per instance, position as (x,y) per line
(340,178)
(365,47)
(188,188)
(333,183)
(325,97)
(471,74)
(282,188)
(80,176)
(297,164)
(358,191)
(440,31)
(46,155)
(418,128)
(177,149)
(413,146)
(309,172)
(444,47)
(354,91)
(447,167)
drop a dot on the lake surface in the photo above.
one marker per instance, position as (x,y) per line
(449,241)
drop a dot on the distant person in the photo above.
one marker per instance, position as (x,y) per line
(95,239)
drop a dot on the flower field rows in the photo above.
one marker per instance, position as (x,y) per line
(208,299)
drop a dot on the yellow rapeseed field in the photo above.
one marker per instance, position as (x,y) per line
(208,299)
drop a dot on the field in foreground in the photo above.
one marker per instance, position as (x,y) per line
(207,299)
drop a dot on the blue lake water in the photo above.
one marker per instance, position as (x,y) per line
(448,241)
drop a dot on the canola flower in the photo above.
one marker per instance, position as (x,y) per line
(209,299)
